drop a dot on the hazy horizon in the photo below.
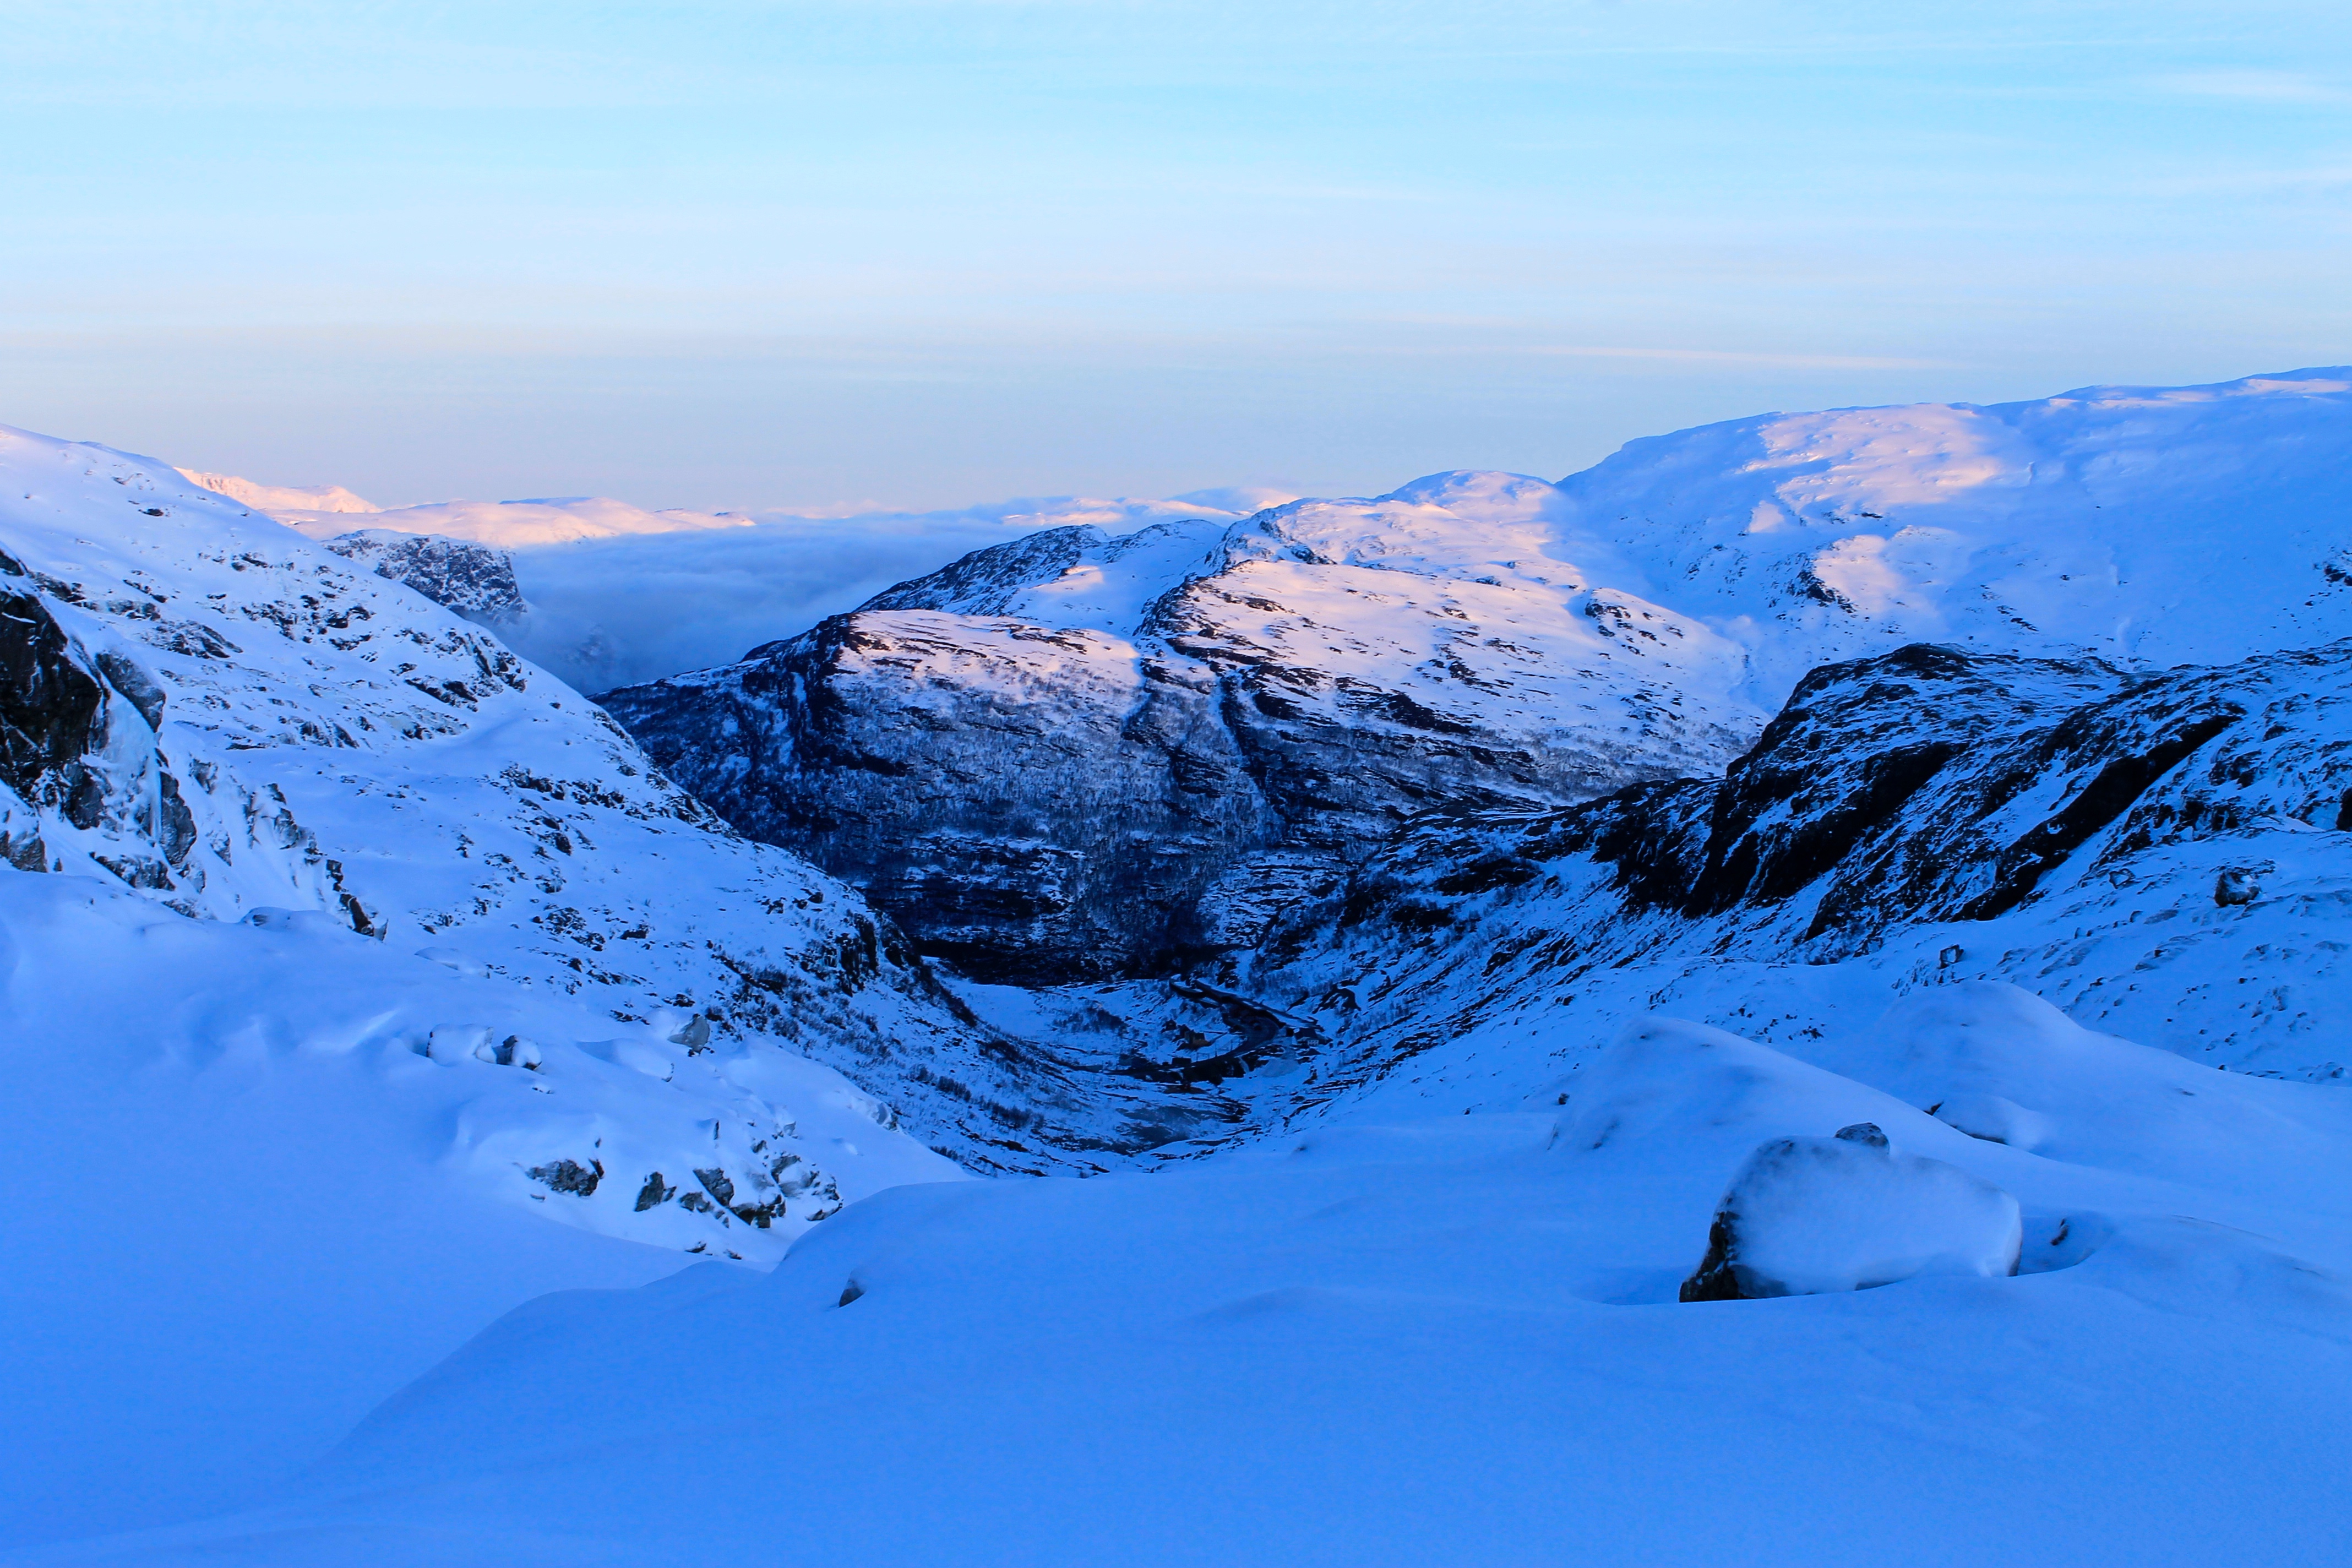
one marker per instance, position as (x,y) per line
(826,257)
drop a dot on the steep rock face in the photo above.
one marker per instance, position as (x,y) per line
(51,699)
(2168,856)
(475,580)
(1077,756)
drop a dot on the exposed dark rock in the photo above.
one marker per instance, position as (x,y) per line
(134,684)
(177,832)
(50,701)
(1713,1280)
(569,1176)
(1042,804)
(655,1191)
(718,1185)
(478,580)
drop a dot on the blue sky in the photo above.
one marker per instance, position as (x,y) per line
(921,253)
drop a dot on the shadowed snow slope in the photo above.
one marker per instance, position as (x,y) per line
(2164,855)
(1452,1341)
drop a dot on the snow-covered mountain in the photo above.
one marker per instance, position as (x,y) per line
(2166,858)
(2156,525)
(1081,755)
(612,595)
(293,500)
(326,903)
(1316,881)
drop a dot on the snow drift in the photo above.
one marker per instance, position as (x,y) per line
(1449,1342)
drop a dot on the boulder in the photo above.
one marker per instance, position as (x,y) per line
(1807,1215)
(1994,1119)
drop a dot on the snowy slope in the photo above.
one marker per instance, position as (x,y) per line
(246,1208)
(1452,1341)
(304,500)
(276,730)
(619,594)
(323,906)
(617,611)
(2156,524)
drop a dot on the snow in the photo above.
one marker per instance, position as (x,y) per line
(307,501)
(268,1170)
(353,1136)
(2157,524)
(1449,1340)
(1848,1212)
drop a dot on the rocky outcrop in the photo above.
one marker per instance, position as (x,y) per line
(51,701)
(476,580)
(1929,814)
(1932,785)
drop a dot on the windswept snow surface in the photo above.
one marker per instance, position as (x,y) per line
(1448,1342)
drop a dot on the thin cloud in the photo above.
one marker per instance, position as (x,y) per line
(1737,356)
(2252,86)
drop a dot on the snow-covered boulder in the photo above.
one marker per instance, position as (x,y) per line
(1994,1118)
(1807,1215)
